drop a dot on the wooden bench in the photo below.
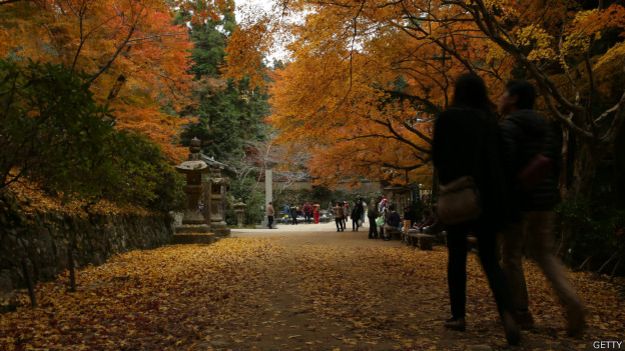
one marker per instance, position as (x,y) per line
(420,240)
(410,237)
(392,233)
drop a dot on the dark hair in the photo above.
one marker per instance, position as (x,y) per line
(470,91)
(525,93)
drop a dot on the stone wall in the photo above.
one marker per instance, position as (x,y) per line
(43,239)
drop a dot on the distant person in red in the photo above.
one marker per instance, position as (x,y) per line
(316,213)
(382,204)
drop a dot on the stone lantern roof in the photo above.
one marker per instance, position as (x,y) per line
(194,164)
(212,163)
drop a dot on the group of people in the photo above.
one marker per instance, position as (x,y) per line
(309,211)
(342,213)
(383,219)
(514,165)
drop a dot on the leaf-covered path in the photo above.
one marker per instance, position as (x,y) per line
(318,290)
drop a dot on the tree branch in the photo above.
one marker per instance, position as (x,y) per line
(388,124)
(6,2)
(119,49)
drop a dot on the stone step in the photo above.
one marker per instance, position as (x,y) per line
(194,238)
(191,229)
(222,232)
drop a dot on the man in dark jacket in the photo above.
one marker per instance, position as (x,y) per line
(357,215)
(373,214)
(527,138)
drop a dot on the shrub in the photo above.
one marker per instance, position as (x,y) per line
(54,133)
(590,229)
(249,192)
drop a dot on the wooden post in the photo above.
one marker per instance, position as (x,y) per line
(71,265)
(29,283)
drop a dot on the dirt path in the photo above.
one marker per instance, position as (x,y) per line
(305,288)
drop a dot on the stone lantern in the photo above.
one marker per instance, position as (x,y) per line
(194,228)
(239,209)
(218,185)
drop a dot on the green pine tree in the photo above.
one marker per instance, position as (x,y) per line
(230,113)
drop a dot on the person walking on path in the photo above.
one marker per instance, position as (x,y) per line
(384,212)
(270,213)
(339,214)
(363,216)
(346,213)
(466,143)
(357,212)
(293,214)
(373,214)
(528,147)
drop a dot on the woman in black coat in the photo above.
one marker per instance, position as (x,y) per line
(357,215)
(466,143)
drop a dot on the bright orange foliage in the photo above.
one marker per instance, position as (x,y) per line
(134,58)
(361,91)
(244,54)
(367,77)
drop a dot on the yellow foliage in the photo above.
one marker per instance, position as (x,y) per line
(538,40)
(614,57)
(33,199)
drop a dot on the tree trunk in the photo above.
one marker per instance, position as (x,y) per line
(29,283)
(564,165)
(585,164)
(582,160)
(72,269)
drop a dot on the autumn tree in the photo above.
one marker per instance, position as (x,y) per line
(133,58)
(127,58)
(572,51)
(575,56)
(362,89)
